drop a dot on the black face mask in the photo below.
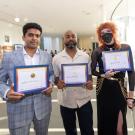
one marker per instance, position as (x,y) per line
(71,45)
(107,37)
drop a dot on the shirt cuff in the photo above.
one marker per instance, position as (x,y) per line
(5,95)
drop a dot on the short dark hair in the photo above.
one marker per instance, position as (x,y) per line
(30,26)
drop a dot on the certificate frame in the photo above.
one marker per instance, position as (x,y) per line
(118,62)
(19,69)
(70,84)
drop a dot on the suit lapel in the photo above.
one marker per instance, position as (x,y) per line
(19,58)
(41,58)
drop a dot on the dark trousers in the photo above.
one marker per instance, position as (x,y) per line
(85,118)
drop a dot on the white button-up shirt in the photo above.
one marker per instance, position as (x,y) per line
(71,97)
(31,60)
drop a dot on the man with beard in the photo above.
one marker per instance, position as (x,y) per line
(74,100)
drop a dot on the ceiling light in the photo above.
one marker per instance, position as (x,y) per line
(17,19)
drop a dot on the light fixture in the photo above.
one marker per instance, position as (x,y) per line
(17,19)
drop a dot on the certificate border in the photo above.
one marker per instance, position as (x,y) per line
(76,64)
(33,91)
(120,69)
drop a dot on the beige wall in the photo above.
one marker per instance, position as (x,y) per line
(14,32)
(85,42)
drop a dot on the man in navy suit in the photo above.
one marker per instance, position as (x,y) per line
(23,109)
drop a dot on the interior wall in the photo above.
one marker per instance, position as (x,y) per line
(11,31)
(85,42)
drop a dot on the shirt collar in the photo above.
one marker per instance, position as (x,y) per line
(78,53)
(25,53)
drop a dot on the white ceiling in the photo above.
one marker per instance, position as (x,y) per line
(57,16)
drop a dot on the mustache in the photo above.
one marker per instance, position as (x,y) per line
(71,43)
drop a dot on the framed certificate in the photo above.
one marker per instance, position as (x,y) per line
(31,79)
(75,74)
(116,60)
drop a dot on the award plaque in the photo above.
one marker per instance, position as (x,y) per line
(116,60)
(75,74)
(31,79)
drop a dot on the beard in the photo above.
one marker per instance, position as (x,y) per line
(71,45)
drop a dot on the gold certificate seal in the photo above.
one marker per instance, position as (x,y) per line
(33,75)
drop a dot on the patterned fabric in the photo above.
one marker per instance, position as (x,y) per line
(99,85)
(21,113)
(111,93)
(40,127)
(100,81)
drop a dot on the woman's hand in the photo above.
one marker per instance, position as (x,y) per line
(130,102)
(130,99)
(109,74)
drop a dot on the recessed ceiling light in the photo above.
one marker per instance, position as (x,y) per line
(17,19)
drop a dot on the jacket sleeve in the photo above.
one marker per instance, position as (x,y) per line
(94,62)
(4,76)
(131,74)
(51,73)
